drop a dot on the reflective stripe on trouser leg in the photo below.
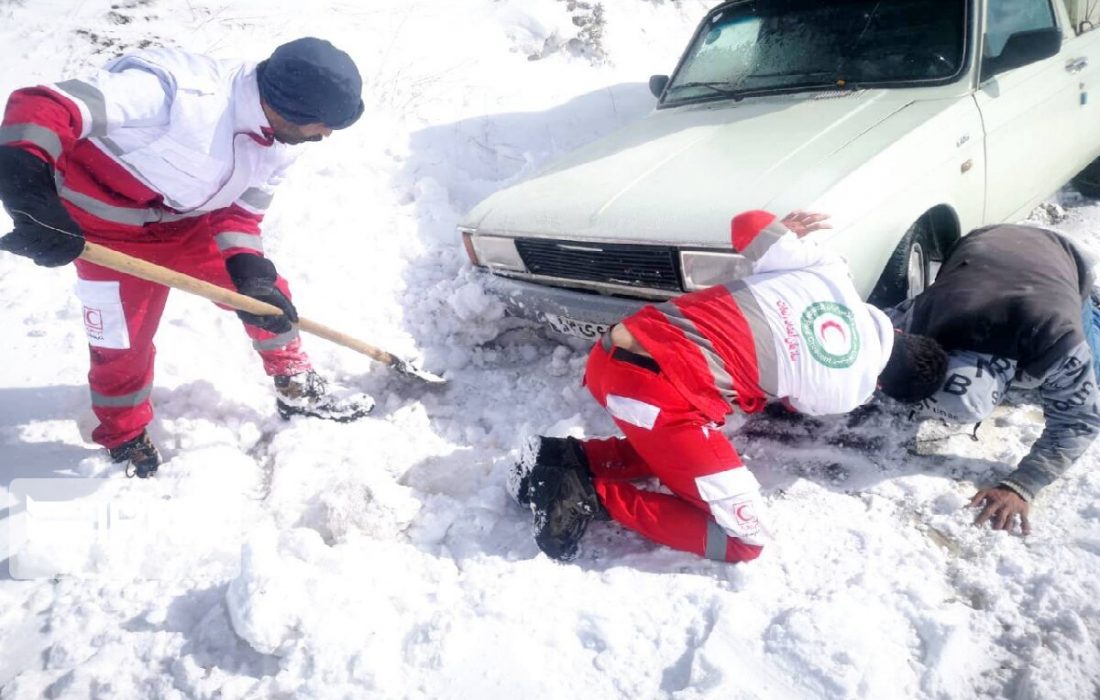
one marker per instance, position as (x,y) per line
(276,342)
(282,354)
(287,360)
(124,401)
(716,541)
(121,418)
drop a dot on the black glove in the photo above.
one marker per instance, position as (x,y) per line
(255,277)
(44,231)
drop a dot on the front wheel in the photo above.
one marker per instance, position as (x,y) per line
(909,270)
(1087,182)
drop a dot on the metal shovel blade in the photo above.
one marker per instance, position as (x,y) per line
(404,367)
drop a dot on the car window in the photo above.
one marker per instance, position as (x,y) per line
(1073,11)
(763,45)
(1084,15)
(727,49)
(1006,17)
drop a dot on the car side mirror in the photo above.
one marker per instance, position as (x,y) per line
(1023,48)
(657,84)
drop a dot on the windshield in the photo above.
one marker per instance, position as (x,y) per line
(781,45)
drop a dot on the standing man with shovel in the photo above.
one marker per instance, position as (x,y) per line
(171,157)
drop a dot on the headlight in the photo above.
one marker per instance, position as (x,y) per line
(702,268)
(468,244)
(494,252)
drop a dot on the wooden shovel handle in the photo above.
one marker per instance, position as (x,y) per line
(120,262)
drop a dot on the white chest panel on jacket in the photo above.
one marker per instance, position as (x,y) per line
(830,345)
(197,157)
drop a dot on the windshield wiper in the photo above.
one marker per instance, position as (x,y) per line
(738,95)
(716,86)
(791,74)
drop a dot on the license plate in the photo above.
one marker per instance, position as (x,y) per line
(577,329)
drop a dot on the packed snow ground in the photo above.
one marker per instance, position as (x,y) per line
(383,558)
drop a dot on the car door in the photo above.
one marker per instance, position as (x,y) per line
(1023,111)
(1082,50)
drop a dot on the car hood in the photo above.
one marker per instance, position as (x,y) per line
(679,174)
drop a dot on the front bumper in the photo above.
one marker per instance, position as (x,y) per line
(536,301)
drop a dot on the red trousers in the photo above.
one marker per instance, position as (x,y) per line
(121,315)
(713,494)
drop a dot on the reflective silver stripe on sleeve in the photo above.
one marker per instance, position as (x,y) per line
(768,235)
(763,339)
(605,341)
(237,239)
(93,99)
(716,541)
(722,379)
(257,199)
(277,342)
(40,136)
(125,401)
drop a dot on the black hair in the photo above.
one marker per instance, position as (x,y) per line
(916,369)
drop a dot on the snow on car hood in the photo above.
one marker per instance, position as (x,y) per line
(679,174)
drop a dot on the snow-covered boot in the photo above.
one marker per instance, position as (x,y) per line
(562,498)
(307,394)
(140,454)
(548,451)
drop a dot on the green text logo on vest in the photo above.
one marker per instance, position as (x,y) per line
(830,332)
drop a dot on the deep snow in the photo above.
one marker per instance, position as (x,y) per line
(383,558)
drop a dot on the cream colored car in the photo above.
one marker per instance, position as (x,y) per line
(911,121)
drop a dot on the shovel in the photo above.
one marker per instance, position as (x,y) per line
(120,262)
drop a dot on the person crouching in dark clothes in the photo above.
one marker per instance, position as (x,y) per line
(1013,307)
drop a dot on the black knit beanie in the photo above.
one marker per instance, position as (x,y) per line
(310,81)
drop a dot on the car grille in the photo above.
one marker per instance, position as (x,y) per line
(648,266)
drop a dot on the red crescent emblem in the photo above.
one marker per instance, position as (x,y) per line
(832,324)
(740,514)
(93,319)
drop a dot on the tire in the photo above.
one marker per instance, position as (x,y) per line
(909,270)
(1087,182)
